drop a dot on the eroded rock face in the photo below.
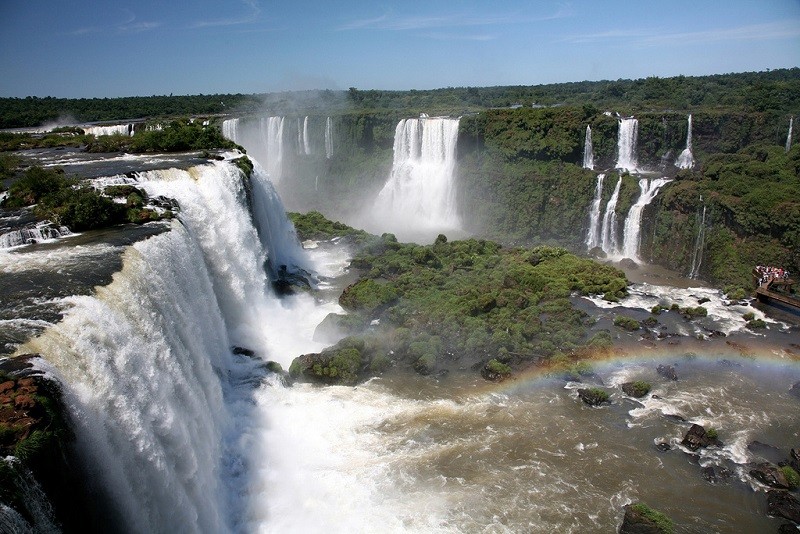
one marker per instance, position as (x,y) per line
(698,437)
(641,519)
(770,475)
(783,504)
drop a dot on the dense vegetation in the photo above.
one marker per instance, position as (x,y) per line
(460,305)
(66,201)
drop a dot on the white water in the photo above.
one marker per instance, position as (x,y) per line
(593,236)
(789,135)
(328,138)
(588,154)
(263,140)
(608,232)
(306,141)
(686,159)
(633,222)
(34,499)
(627,144)
(116,129)
(697,254)
(41,231)
(419,196)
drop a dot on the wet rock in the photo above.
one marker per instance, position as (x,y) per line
(667,371)
(728,363)
(241,351)
(795,462)
(698,437)
(6,386)
(770,475)
(663,446)
(24,402)
(783,504)
(787,528)
(627,263)
(593,396)
(795,390)
(716,474)
(703,300)
(641,519)
(636,389)
(767,452)
(674,417)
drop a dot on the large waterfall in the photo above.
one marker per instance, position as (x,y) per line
(263,140)
(114,129)
(593,236)
(633,222)
(608,232)
(306,141)
(686,159)
(146,363)
(588,153)
(789,135)
(419,196)
(627,144)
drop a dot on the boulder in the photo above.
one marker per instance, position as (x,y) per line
(636,389)
(663,446)
(698,437)
(593,396)
(716,474)
(627,263)
(641,519)
(795,461)
(783,504)
(241,351)
(770,475)
(667,371)
(795,390)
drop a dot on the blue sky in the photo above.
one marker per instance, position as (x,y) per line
(107,48)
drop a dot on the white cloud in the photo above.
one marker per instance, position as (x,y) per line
(252,16)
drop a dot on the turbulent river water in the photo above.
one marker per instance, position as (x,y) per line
(178,433)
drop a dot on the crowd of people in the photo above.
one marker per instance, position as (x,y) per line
(766,274)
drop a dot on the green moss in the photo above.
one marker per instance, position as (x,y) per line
(245,165)
(792,478)
(663,523)
(712,433)
(367,295)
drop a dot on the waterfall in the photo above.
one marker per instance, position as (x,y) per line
(789,135)
(306,141)
(686,159)
(161,412)
(115,129)
(263,140)
(588,154)
(420,192)
(626,144)
(328,138)
(593,235)
(36,233)
(608,232)
(33,499)
(697,255)
(632,230)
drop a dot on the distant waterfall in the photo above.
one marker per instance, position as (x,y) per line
(588,153)
(789,135)
(686,159)
(627,144)
(633,222)
(699,243)
(608,232)
(328,138)
(306,141)
(263,140)
(114,129)
(420,193)
(593,238)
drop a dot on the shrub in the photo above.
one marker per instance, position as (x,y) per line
(749,316)
(628,323)
(792,478)
(663,523)
(756,324)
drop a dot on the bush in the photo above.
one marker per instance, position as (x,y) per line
(663,523)
(792,478)
(756,324)
(627,323)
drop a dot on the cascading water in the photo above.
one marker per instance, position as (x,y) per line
(633,222)
(789,135)
(588,153)
(608,232)
(627,144)
(420,193)
(686,159)
(263,140)
(116,129)
(593,237)
(41,231)
(306,141)
(328,138)
(699,243)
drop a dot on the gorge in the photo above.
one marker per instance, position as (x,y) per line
(170,339)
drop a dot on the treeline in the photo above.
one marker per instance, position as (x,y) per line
(776,91)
